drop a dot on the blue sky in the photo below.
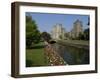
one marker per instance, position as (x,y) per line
(46,21)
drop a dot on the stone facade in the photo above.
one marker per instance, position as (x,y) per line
(58,32)
(77,29)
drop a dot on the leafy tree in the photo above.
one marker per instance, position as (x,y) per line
(86,34)
(66,35)
(81,36)
(60,36)
(46,36)
(32,33)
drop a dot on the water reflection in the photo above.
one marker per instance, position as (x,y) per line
(72,55)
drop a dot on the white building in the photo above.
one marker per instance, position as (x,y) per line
(58,32)
(77,29)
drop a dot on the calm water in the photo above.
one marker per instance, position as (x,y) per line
(72,55)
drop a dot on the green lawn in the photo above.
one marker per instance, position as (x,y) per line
(80,42)
(35,56)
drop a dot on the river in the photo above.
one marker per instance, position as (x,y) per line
(72,55)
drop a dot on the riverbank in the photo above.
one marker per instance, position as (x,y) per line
(35,56)
(53,56)
(75,43)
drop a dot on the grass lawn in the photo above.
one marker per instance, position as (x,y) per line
(35,56)
(80,42)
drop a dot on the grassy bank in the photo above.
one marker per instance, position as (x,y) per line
(35,56)
(75,43)
(78,42)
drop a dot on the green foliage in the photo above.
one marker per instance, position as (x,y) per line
(46,36)
(84,35)
(66,35)
(32,32)
(81,36)
(60,36)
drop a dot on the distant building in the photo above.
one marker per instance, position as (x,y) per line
(58,32)
(77,29)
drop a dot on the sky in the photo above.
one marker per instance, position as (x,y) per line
(46,21)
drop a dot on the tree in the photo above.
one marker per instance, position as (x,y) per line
(46,36)
(86,34)
(32,33)
(81,36)
(60,36)
(67,35)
